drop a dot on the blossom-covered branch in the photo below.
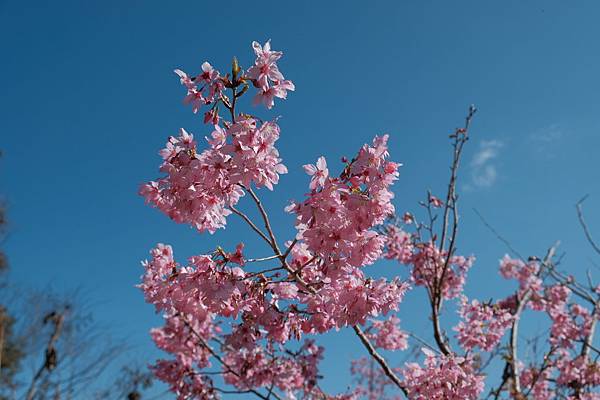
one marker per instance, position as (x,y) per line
(257,320)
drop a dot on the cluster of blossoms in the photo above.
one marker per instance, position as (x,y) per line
(336,220)
(388,335)
(570,322)
(195,299)
(204,89)
(429,265)
(527,274)
(482,324)
(228,321)
(442,377)
(200,187)
(578,372)
(336,238)
(266,77)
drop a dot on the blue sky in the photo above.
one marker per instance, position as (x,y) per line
(89,97)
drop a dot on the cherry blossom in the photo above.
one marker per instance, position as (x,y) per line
(200,187)
(482,325)
(387,334)
(266,76)
(253,322)
(319,173)
(442,377)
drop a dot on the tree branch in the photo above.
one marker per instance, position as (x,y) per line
(583,224)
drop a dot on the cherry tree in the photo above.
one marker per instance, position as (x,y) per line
(240,324)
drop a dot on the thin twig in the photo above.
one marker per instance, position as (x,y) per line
(498,236)
(586,231)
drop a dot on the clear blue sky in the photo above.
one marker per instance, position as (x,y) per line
(89,97)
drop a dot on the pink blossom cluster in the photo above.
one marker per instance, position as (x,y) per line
(336,220)
(337,237)
(199,187)
(525,273)
(341,294)
(482,325)
(257,367)
(266,75)
(194,297)
(349,299)
(432,266)
(399,245)
(203,89)
(429,265)
(184,381)
(570,322)
(569,372)
(442,378)
(537,381)
(207,88)
(246,322)
(578,372)
(388,335)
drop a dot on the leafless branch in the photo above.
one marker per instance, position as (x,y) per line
(586,231)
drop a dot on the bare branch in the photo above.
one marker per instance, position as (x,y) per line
(586,231)
(498,236)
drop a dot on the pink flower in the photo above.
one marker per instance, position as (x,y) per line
(203,89)
(267,95)
(482,325)
(266,76)
(285,290)
(442,378)
(212,116)
(388,335)
(195,98)
(200,186)
(208,74)
(237,257)
(185,79)
(435,202)
(399,245)
(425,260)
(264,68)
(319,173)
